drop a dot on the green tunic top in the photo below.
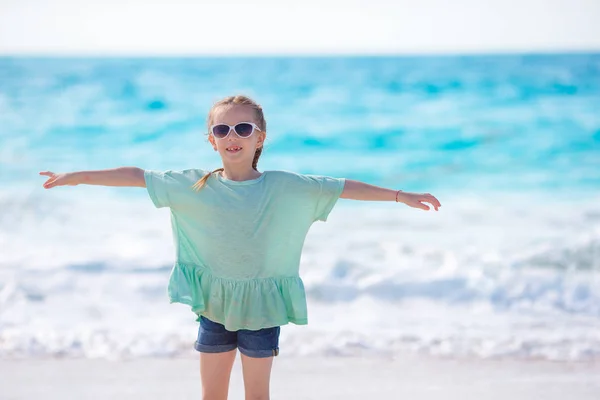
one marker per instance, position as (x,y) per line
(238,243)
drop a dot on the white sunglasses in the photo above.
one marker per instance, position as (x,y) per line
(242,129)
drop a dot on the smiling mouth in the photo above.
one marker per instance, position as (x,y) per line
(233,149)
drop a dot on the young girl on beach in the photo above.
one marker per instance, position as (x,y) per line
(238,236)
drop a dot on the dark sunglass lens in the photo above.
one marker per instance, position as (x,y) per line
(244,129)
(220,131)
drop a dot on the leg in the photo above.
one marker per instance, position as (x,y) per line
(257,375)
(217,347)
(257,349)
(215,371)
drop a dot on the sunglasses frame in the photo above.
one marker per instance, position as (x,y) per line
(232,128)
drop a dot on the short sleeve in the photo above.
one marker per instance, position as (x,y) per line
(324,193)
(165,187)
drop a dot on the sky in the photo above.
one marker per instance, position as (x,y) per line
(177,27)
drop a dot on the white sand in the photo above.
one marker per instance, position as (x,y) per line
(410,377)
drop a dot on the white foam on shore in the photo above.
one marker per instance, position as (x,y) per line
(88,279)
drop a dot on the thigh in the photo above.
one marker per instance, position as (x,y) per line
(257,376)
(215,374)
(217,355)
(258,349)
(214,338)
(262,343)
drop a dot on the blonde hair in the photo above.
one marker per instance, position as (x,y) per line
(260,121)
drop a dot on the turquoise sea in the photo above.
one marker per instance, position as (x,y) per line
(510,145)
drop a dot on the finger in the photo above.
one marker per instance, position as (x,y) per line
(434,204)
(47,173)
(50,183)
(434,201)
(427,198)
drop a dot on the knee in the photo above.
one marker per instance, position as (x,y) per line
(257,396)
(214,396)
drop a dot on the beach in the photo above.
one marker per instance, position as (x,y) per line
(301,378)
(494,296)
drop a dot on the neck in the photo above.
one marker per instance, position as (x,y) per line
(239,173)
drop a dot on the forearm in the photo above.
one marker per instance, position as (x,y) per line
(122,176)
(356,190)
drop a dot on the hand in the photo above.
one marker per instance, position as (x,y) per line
(63,179)
(415,199)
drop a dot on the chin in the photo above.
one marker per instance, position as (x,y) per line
(234,157)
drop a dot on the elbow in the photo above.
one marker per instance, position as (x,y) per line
(137,175)
(349,191)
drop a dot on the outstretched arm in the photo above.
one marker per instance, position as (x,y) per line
(356,190)
(122,176)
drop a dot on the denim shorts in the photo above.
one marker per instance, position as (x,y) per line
(214,338)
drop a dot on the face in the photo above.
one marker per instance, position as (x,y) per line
(232,115)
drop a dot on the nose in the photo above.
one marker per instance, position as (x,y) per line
(232,136)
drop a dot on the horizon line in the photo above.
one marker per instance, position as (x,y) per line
(324,54)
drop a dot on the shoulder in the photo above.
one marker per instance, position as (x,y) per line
(180,172)
(301,178)
(306,182)
(190,173)
(289,176)
(177,175)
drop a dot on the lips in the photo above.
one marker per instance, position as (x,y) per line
(233,149)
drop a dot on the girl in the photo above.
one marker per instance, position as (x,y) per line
(238,235)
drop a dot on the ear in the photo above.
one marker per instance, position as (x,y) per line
(211,139)
(261,140)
